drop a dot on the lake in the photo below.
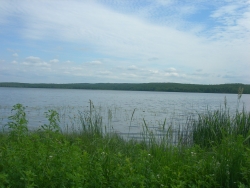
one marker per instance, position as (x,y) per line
(122,111)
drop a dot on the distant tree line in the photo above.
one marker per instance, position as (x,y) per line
(167,87)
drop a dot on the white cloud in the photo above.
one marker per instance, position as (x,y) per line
(69,62)
(95,62)
(233,18)
(15,55)
(154,71)
(104,72)
(144,40)
(5,6)
(113,32)
(171,69)
(76,68)
(225,10)
(132,67)
(54,61)
(164,2)
(14,62)
(171,74)
(35,61)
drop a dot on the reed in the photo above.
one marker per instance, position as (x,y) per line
(211,151)
(212,127)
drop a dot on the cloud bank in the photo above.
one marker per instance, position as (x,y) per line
(123,41)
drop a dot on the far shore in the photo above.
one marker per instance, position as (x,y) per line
(233,88)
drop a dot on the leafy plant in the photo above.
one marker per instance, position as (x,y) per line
(90,158)
(53,118)
(18,122)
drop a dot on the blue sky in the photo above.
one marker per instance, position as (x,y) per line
(132,41)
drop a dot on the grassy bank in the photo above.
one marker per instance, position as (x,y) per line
(214,151)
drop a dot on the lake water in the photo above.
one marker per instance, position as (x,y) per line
(115,107)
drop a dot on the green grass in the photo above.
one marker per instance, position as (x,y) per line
(215,154)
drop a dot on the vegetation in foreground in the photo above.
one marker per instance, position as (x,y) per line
(216,154)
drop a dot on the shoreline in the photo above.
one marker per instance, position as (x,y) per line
(154,87)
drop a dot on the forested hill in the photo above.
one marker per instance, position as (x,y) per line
(168,87)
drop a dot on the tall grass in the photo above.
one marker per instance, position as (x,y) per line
(91,121)
(212,151)
(213,126)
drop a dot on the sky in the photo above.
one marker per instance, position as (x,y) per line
(125,41)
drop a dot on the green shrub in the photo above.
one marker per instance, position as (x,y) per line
(219,155)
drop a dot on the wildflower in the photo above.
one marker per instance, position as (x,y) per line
(50,156)
(193,154)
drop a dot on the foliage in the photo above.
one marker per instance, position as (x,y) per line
(167,87)
(18,122)
(53,118)
(50,158)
